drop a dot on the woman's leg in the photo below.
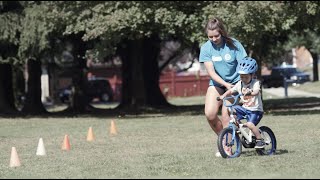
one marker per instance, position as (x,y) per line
(225,119)
(212,108)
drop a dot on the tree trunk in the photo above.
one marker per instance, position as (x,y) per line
(315,66)
(79,100)
(7,105)
(19,86)
(33,104)
(140,73)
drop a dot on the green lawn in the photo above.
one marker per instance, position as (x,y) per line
(153,147)
(158,146)
(313,87)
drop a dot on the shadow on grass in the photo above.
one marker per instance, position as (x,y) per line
(292,106)
(281,151)
(289,103)
(252,152)
(285,106)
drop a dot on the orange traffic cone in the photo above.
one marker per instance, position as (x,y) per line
(66,143)
(41,151)
(14,159)
(113,129)
(90,136)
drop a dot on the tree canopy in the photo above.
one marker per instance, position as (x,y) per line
(262,26)
(42,30)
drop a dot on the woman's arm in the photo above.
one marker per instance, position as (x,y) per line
(212,73)
(227,93)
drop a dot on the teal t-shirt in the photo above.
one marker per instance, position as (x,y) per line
(224,59)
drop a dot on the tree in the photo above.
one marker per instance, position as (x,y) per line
(33,46)
(41,29)
(306,30)
(134,30)
(310,40)
(10,19)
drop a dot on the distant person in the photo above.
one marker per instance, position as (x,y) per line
(220,55)
(252,106)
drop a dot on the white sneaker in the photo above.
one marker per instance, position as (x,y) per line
(218,154)
(229,153)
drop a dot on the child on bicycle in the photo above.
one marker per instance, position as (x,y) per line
(252,106)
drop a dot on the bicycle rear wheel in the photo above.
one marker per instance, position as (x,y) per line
(229,146)
(269,139)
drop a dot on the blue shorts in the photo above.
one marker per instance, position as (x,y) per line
(251,116)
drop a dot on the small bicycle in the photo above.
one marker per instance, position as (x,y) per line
(231,138)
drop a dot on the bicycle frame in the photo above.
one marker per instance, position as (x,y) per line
(248,136)
(233,123)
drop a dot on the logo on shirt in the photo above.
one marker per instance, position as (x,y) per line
(227,57)
(216,58)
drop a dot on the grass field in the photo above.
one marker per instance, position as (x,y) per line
(153,147)
(313,87)
(156,146)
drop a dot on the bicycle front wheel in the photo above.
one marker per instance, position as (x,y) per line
(229,143)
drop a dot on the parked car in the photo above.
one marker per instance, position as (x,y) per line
(276,78)
(97,88)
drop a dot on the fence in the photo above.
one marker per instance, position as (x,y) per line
(174,84)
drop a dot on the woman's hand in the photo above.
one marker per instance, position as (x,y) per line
(219,98)
(229,86)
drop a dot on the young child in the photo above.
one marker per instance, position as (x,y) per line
(252,103)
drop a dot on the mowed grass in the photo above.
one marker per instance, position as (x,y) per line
(153,147)
(313,87)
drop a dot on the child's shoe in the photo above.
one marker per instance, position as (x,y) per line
(259,144)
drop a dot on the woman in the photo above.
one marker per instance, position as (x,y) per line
(220,55)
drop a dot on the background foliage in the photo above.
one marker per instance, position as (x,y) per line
(262,26)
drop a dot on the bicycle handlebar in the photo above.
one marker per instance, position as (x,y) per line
(235,97)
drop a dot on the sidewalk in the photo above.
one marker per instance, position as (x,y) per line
(280,92)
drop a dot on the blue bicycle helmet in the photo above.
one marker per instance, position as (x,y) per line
(247,65)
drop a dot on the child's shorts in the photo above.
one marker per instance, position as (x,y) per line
(251,116)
